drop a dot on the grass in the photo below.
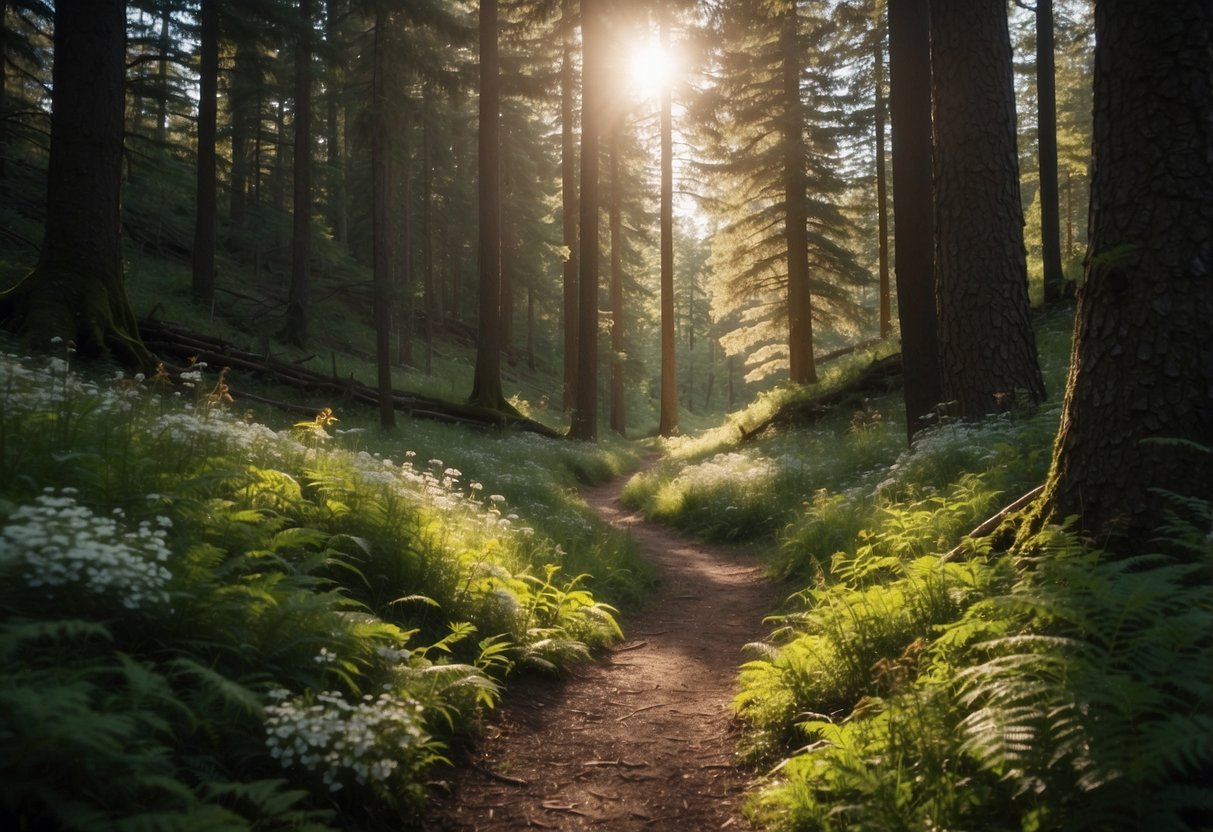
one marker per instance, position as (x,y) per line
(213,622)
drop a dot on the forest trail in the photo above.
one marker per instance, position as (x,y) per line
(644,738)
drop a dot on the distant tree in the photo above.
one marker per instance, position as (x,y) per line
(880,28)
(913,206)
(301,234)
(772,126)
(1046,104)
(381,241)
(486,386)
(205,204)
(618,399)
(987,349)
(668,419)
(568,196)
(593,99)
(1137,423)
(76,291)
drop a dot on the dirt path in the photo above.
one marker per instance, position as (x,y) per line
(644,739)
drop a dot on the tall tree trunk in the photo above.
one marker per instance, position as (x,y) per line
(428,301)
(800,314)
(401,209)
(162,86)
(568,191)
(593,100)
(239,98)
(1046,102)
(301,237)
(205,217)
(668,419)
(987,345)
(530,327)
(3,90)
(618,420)
(910,100)
(882,198)
(486,386)
(333,160)
(381,244)
(1141,371)
(76,289)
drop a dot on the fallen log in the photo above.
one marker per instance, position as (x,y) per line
(181,346)
(879,377)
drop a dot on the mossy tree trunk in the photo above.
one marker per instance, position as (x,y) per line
(76,291)
(1141,371)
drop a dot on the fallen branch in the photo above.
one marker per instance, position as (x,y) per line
(626,717)
(498,776)
(619,763)
(173,342)
(987,526)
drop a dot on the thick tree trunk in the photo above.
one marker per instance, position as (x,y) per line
(668,420)
(76,290)
(3,90)
(618,420)
(1141,372)
(568,172)
(910,106)
(205,216)
(301,237)
(1046,102)
(585,412)
(380,241)
(987,346)
(800,313)
(486,386)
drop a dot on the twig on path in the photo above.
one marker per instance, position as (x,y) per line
(635,646)
(553,806)
(496,775)
(626,717)
(620,763)
(530,821)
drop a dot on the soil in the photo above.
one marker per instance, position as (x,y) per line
(643,739)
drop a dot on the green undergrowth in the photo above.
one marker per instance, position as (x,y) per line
(211,623)
(918,679)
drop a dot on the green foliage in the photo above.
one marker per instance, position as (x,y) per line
(210,594)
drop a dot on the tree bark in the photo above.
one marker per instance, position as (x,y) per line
(76,289)
(568,172)
(1141,372)
(987,345)
(668,420)
(333,160)
(1046,102)
(381,244)
(427,233)
(301,236)
(618,420)
(914,263)
(585,412)
(800,314)
(205,217)
(486,386)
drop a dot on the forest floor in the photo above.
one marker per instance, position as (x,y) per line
(643,739)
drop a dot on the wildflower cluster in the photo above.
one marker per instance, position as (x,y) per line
(368,739)
(58,542)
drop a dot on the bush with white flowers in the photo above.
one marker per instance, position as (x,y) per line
(368,739)
(55,542)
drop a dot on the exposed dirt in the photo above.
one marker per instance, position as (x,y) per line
(642,740)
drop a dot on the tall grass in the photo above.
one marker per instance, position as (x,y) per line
(211,623)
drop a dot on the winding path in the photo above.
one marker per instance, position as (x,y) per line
(642,740)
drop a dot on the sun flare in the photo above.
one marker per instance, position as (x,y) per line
(650,69)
